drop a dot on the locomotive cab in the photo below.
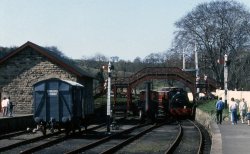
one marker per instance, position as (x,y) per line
(179,105)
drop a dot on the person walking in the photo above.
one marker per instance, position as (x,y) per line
(219,109)
(243,110)
(233,108)
(10,107)
(4,106)
(248,117)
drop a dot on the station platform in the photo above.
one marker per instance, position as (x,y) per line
(16,122)
(231,139)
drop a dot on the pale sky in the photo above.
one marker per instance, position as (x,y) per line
(83,28)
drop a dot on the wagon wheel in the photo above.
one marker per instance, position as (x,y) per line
(67,128)
(73,130)
(76,127)
(85,124)
(72,127)
(59,129)
(67,131)
(43,129)
(52,130)
(79,128)
(155,117)
(141,115)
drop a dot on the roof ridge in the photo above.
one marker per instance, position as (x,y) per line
(65,62)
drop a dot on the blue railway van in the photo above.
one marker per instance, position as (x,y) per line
(58,104)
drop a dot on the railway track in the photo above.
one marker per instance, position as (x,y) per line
(152,140)
(61,138)
(91,139)
(190,139)
(149,138)
(115,142)
(16,142)
(168,137)
(9,135)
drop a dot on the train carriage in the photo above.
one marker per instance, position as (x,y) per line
(59,104)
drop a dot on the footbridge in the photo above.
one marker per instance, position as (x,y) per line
(169,73)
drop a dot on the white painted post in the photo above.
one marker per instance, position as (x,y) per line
(108,98)
(183,60)
(196,69)
(225,78)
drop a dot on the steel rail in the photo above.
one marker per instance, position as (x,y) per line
(105,139)
(131,139)
(201,144)
(27,141)
(4,136)
(52,142)
(176,142)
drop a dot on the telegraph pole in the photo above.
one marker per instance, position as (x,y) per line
(225,78)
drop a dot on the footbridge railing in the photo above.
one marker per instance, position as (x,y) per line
(162,73)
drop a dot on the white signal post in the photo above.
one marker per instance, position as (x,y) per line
(196,70)
(197,78)
(108,98)
(183,60)
(225,78)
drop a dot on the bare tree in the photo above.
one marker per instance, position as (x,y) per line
(217,28)
(137,60)
(173,58)
(5,50)
(100,57)
(155,58)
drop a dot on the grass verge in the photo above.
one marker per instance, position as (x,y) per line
(208,106)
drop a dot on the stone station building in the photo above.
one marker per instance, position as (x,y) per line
(30,63)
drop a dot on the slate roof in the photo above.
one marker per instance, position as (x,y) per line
(65,63)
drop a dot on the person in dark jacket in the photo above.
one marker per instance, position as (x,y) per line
(248,117)
(219,109)
(10,108)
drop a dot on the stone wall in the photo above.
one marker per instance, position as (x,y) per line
(208,121)
(20,72)
(235,94)
(16,123)
(204,118)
